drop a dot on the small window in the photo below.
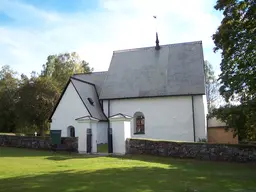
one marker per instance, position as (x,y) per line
(71,131)
(139,123)
(90,101)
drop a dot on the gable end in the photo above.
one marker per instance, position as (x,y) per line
(61,96)
(56,105)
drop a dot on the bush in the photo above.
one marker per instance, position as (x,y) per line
(202,140)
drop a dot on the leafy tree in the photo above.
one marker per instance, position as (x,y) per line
(60,67)
(212,86)
(236,40)
(38,96)
(239,118)
(26,103)
(8,99)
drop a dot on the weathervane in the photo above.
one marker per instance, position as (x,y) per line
(157,40)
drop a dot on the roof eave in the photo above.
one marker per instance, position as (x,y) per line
(153,96)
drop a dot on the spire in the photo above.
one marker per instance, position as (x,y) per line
(157,47)
(157,42)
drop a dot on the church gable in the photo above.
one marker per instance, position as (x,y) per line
(70,105)
(89,96)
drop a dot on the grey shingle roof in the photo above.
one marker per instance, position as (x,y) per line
(97,78)
(176,69)
(86,91)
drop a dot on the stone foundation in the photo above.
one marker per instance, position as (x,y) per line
(202,151)
(43,143)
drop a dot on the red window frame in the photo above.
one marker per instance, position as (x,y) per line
(140,124)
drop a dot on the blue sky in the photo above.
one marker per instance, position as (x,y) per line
(30,30)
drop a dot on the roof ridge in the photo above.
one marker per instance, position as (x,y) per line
(82,81)
(165,45)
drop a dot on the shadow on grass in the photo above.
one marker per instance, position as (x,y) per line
(62,157)
(126,179)
(24,152)
(183,161)
(226,169)
(50,155)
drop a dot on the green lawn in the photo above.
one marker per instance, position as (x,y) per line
(30,170)
(102,148)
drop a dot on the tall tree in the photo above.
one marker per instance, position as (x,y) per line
(212,86)
(26,103)
(236,40)
(60,67)
(8,99)
(38,96)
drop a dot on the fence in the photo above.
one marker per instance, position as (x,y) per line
(204,151)
(43,143)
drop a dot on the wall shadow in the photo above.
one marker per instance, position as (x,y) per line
(183,161)
(22,152)
(137,179)
(50,155)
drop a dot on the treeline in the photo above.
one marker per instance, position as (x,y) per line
(27,102)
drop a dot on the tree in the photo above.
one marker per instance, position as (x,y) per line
(239,118)
(27,102)
(38,96)
(8,99)
(236,40)
(212,86)
(61,67)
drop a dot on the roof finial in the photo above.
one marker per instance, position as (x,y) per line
(157,47)
(157,42)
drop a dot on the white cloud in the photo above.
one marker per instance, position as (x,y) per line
(95,35)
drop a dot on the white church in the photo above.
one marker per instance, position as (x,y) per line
(153,92)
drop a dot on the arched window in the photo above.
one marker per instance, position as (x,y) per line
(139,123)
(71,131)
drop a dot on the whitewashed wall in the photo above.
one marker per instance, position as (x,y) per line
(82,137)
(167,118)
(200,110)
(121,130)
(102,132)
(69,108)
(94,136)
(83,125)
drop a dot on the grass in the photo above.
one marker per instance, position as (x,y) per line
(102,148)
(30,170)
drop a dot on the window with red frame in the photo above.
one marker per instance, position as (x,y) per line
(140,124)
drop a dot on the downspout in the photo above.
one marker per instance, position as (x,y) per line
(193,117)
(108,114)
(109,139)
(207,127)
